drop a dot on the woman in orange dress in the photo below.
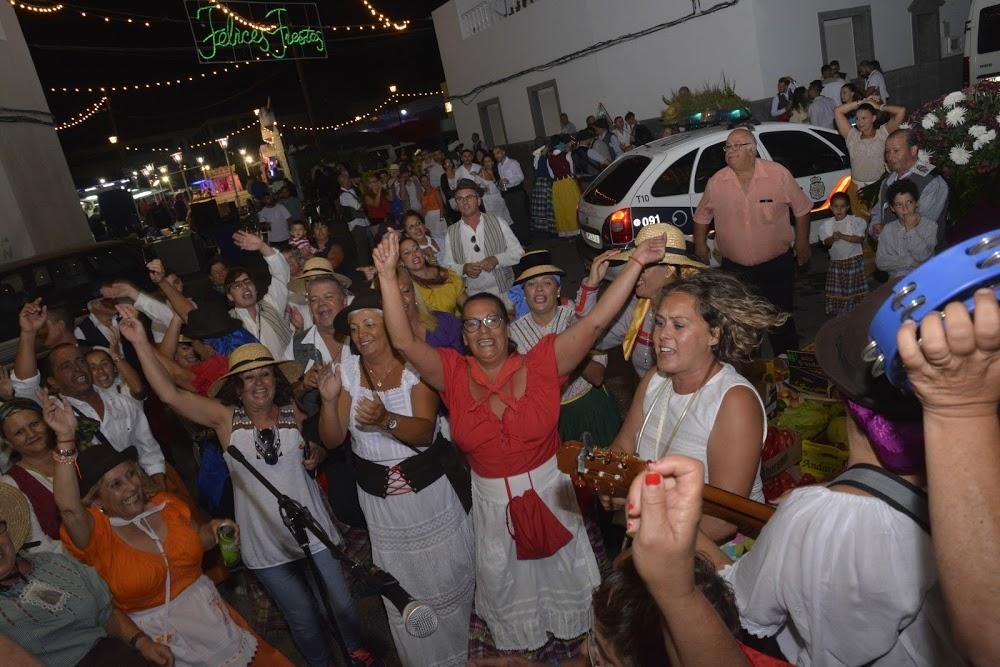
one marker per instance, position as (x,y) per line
(148,550)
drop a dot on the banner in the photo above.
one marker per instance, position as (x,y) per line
(238,32)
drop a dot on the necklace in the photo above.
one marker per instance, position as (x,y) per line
(378,382)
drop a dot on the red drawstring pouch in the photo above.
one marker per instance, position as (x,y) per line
(536,531)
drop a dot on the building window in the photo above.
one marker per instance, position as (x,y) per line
(543,98)
(491,119)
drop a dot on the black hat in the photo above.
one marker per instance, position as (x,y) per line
(96,460)
(468,184)
(535,263)
(210,320)
(840,346)
(367,301)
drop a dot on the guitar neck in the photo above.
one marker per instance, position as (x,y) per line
(748,514)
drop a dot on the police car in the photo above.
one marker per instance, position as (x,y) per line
(663,181)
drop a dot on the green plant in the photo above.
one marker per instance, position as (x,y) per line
(707,101)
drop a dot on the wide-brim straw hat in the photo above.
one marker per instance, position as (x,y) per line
(251,357)
(14,510)
(535,263)
(676,253)
(317,267)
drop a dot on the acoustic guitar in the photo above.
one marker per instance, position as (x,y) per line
(611,473)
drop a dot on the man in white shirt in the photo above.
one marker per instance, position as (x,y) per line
(782,99)
(120,417)
(565,126)
(622,133)
(435,170)
(831,84)
(277,216)
(266,318)
(481,247)
(600,152)
(874,79)
(511,179)
(468,169)
(349,202)
(821,107)
(99,329)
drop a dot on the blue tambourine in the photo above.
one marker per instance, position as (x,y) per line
(954,275)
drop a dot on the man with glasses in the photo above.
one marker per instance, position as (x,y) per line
(749,199)
(481,247)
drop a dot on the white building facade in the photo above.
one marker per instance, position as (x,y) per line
(513,65)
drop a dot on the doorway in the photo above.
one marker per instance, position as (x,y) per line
(491,119)
(543,99)
(846,35)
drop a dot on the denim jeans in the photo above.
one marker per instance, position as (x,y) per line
(303,609)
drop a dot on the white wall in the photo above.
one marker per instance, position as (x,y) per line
(629,76)
(40,209)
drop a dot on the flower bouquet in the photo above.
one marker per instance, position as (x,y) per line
(710,104)
(958,134)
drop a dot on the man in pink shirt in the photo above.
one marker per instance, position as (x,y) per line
(750,200)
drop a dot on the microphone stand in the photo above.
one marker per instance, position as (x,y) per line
(298,520)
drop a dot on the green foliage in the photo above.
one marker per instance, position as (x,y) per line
(708,101)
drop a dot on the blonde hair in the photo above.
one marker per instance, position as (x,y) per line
(424,313)
(740,316)
(149,488)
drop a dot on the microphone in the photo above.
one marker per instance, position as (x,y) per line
(419,619)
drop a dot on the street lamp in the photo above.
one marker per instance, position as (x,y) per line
(200,159)
(113,139)
(247,161)
(179,159)
(163,169)
(224,144)
(392,89)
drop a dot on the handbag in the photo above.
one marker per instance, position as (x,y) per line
(536,531)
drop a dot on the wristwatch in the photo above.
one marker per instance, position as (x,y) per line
(391,423)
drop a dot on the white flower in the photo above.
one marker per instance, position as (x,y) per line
(955,117)
(951,99)
(924,156)
(977,131)
(929,121)
(986,138)
(959,155)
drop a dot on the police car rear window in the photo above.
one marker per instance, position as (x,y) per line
(614,183)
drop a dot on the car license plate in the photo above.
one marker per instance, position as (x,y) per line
(591,238)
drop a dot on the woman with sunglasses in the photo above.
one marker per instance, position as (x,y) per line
(252,410)
(533,579)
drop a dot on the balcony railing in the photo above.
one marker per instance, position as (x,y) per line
(483,15)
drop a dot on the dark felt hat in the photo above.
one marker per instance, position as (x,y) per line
(366,301)
(535,263)
(840,346)
(96,460)
(210,320)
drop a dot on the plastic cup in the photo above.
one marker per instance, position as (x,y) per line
(228,545)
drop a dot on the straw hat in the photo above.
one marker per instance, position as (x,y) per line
(535,263)
(251,357)
(15,512)
(676,253)
(317,267)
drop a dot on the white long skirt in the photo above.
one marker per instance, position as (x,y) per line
(426,541)
(523,600)
(495,205)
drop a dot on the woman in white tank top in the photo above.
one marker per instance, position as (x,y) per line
(694,403)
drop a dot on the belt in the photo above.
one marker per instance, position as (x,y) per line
(514,188)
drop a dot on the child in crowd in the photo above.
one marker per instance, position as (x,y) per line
(298,238)
(909,240)
(843,234)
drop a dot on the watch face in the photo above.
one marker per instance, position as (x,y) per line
(391,423)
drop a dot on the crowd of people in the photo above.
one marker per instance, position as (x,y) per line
(393,360)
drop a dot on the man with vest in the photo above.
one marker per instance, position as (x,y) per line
(265,317)
(481,247)
(902,159)
(352,211)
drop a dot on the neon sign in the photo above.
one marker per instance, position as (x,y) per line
(258,31)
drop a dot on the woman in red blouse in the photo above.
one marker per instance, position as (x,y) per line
(535,569)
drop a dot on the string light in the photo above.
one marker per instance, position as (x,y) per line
(38,9)
(146,85)
(167,149)
(82,116)
(239,19)
(110,18)
(395,97)
(384,20)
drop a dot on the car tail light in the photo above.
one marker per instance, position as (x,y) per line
(620,226)
(842,186)
(966,73)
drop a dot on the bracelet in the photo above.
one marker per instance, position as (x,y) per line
(65,452)
(632,258)
(65,459)
(136,637)
(61,442)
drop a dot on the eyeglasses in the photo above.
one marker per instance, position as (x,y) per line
(492,321)
(475,246)
(729,148)
(267,442)
(466,198)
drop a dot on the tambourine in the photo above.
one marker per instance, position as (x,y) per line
(954,275)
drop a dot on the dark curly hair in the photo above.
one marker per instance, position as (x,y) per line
(903,186)
(629,620)
(726,304)
(230,392)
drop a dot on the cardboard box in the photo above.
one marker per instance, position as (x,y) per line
(786,458)
(822,461)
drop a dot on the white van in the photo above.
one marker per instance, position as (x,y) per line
(982,42)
